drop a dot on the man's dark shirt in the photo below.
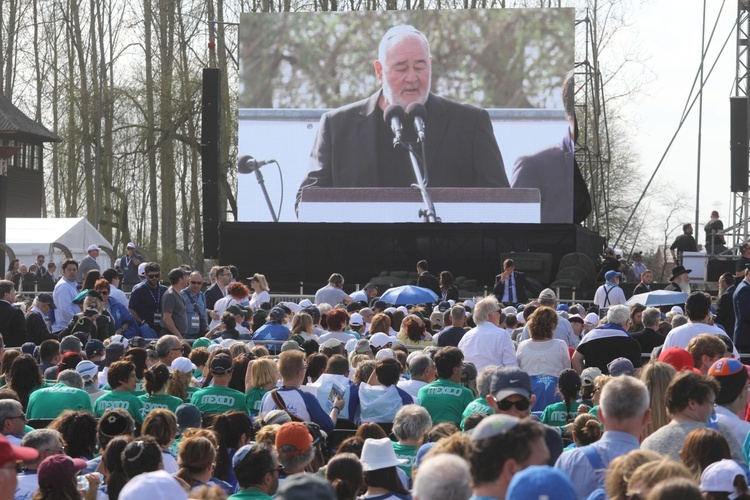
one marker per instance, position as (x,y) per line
(450,336)
(426,280)
(725,310)
(36,328)
(12,325)
(684,243)
(44,280)
(146,301)
(648,338)
(714,225)
(24,283)
(740,266)
(607,345)
(641,288)
(213,293)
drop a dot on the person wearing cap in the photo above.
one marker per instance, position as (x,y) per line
(294,448)
(379,461)
(46,442)
(502,445)
(680,280)
(624,411)
(690,402)
(57,476)
(195,307)
(88,263)
(219,397)
(145,301)
(366,294)
(732,398)
(609,294)
(356,326)
(89,372)
(487,343)
(173,308)
(683,243)
(723,479)
(9,456)
(12,321)
(122,379)
(303,405)
(333,292)
(37,319)
(274,329)
(257,470)
(65,291)
(129,263)
(698,310)
(66,394)
(607,342)
(114,278)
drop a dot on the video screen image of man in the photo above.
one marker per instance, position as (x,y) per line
(354,146)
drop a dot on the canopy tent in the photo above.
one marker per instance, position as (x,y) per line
(50,237)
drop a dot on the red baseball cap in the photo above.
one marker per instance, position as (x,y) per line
(57,471)
(11,453)
(677,357)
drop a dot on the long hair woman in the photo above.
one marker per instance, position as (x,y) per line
(197,459)
(233,429)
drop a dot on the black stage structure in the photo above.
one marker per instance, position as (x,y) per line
(292,253)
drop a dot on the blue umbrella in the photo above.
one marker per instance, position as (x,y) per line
(408,294)
(658,298)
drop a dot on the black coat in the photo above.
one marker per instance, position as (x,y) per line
(12,325)
(520,280)
(426,280)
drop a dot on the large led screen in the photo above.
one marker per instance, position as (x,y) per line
(476,97)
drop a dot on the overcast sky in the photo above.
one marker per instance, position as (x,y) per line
(668,33)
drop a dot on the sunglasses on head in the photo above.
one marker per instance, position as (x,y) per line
(521,404)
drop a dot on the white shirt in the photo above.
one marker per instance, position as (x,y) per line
(221,306)
(739,427)
(259,298)
(543,358)
(118,295)
(63,295)
(607,296)
(682,335)
(27,486)
(488,345)
(563,331)
(411,387)
(343,337)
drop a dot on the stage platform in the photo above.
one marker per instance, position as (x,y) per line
(290,253)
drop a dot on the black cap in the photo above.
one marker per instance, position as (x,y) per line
(46,298)
(221,364)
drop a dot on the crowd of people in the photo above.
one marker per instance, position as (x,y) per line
(206,389)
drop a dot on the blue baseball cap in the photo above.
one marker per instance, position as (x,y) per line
(611,274)
(541,481)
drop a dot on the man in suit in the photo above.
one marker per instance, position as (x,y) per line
(741,302)
(88,263)
(645,285)
(510,286)
(45,282)
(554,171)
(12,321)
(219,289)
(426,280)
(724,307)
(354,146)
(680,280)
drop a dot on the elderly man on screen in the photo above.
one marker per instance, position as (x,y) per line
(354,146)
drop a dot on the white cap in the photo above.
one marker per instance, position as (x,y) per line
(520,318)
(356,319)
(228,343)
(510,310)
(452,302)
(385,353)
(403,309)
(591,319)
(183,364)
(91,248)
(305,303)
(390,310)
(142,269)
(379,339)
(719,477)
(678,310)
(293,306)
(119,338)
(213,347)
(470,304)
(351,344)
(159,484)
(130,245)
(87,370)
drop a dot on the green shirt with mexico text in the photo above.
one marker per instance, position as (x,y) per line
(254,494)
(219,399)
(120,399)
(408,453)
(156,401)
(51,401)
(479,405)
(253,399)
(445,400)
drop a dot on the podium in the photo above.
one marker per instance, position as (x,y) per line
(453,205)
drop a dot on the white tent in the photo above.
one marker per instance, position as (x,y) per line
(31,237)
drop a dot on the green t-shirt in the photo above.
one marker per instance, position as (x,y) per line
(120,399)
(164,401)
(254,494)
(479,405)
(139,388)
(51,401)
(445,400)
(408,453)
(253,399)
(219,399)
(557,415)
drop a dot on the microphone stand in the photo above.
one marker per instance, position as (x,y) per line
(428,211)
(262,184)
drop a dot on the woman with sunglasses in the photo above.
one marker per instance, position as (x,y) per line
(122,321)
(260,291)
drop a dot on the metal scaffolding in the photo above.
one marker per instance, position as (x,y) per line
(741,218)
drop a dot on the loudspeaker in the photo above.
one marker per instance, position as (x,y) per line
(739,147)
(210,161)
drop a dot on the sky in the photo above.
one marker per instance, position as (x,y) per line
(667,35)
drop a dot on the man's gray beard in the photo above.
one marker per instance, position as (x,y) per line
(685,287)
(388,94)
